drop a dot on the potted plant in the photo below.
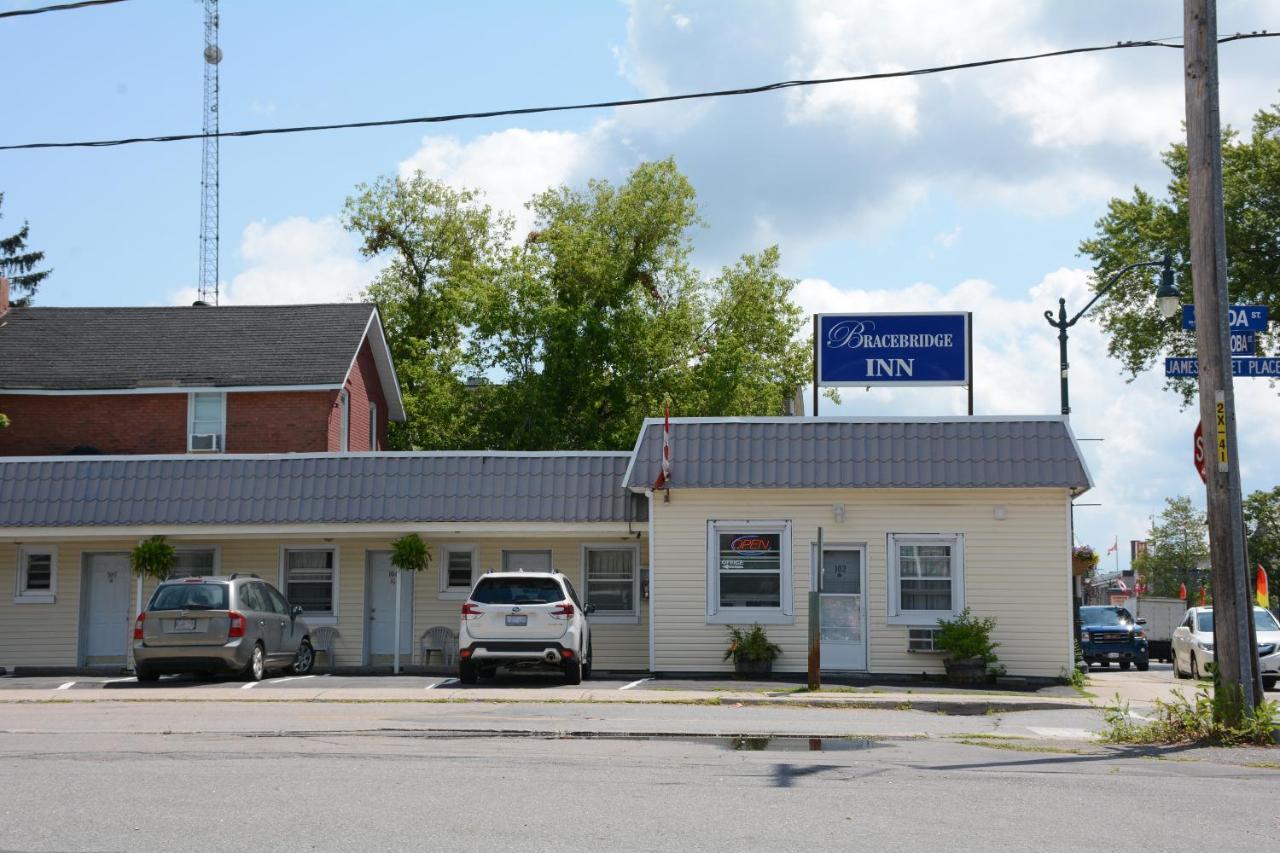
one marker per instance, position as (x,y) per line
(752,653)
(966,641)
(153,558)
(1083,560)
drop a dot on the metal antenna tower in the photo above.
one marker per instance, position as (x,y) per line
(208,289)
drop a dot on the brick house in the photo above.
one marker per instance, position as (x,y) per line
(199,379)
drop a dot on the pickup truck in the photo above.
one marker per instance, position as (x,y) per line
(1110,634)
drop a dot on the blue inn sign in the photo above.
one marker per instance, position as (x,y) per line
(892,349)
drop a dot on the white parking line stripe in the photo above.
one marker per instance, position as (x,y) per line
(116,680)
(247,686)
(289,678)
(635,683)
(64,686)
(441,683)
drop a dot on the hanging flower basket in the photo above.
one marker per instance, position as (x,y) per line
(1083,560)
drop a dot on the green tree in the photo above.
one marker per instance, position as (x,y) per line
(1144,228)
(585,327)
(1177,545)
(18,264)
(1262,529)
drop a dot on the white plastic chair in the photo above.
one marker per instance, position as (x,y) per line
(442,640)
(326,640)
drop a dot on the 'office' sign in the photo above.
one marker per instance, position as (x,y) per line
(893,349)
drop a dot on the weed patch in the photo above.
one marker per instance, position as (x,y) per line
(1184,720)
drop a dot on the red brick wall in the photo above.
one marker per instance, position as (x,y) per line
(277,422)
(113,423)
(363,386)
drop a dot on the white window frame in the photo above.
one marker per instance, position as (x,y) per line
(457,593)
(222,423)
(283,584)
(40,596)
(216,549)
(344,418)
(611,617)
(924,618)
(783,615)
(373,426)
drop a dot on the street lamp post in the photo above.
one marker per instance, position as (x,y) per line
(1167,297)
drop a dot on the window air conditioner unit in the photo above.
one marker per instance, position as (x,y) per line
(210,442)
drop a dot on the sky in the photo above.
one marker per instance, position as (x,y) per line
(966,191)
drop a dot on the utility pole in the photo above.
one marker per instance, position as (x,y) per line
(1238,684)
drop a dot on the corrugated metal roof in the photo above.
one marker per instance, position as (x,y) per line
(227,346)
(313,489)
(790,453)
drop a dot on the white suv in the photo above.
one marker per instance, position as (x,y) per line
(525,619)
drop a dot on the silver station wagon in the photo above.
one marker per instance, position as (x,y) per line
(220,625)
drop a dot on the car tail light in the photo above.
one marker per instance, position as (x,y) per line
(137,626)
(236,628)
(563,610)
(470,611)
(567,654)
(464,654)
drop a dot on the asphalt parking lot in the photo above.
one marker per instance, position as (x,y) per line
(328,682)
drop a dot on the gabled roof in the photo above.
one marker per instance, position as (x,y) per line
(156,349)
(872,453)
(292,489)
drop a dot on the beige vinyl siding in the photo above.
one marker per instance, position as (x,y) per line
(48,634)
(1016,570)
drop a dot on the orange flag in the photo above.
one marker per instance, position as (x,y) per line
(1202,596)
(1264,597)
(1182,591)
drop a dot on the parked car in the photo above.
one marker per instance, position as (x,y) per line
(1193,645)
(220,625)
(524,620)
(1111,634)
(1159,617)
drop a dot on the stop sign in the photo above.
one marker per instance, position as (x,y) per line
(1199,453)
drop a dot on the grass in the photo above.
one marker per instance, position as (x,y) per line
(1014,746)
(1183,720)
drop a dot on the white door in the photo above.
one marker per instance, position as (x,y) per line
(381,582)
(842,607)
(105,612)
(529,561)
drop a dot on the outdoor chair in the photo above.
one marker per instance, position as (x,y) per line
(442,640)
(326,640)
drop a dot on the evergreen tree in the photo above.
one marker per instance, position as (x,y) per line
(18,264)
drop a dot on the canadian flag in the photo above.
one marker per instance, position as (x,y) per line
(664,476)
(1120,583)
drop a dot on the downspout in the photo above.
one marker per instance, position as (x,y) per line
(652,575)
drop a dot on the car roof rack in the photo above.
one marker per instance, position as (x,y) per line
(254,575)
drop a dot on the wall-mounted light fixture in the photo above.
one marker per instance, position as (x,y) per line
(1001,513)
(838,511)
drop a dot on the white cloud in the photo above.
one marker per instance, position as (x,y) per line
(947,239)
(296,260)
(1145,452)
(510,166)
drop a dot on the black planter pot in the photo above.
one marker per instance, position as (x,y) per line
(966,672)
(744,668)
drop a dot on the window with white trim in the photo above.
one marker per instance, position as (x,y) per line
(207,422)
(926,577)
(37,574)
(749,572)
(194,562)
(611,581)
(311,580)
(458,569)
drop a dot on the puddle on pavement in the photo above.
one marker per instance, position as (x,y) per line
(795,744)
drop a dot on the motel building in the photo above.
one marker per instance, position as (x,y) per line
(261,458)
(920,518)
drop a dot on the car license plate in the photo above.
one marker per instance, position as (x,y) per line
(1113,654)
(517,621)
(180,625)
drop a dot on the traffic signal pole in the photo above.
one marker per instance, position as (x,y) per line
(1238,683)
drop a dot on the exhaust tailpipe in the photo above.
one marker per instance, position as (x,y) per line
(552,656)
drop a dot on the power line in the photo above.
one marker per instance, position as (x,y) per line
(60,8)
(630,102)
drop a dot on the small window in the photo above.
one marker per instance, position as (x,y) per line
(749,572)
(458,569)
(922,639)
(926,577)
(610,578)
(373,426)
(195,563)
(311,580)
(208,423)
(344,421)
(37,575)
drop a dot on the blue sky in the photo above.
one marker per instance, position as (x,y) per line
(966,191)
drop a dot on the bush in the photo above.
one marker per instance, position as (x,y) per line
(750,644)
(966,637)
(1183,720)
